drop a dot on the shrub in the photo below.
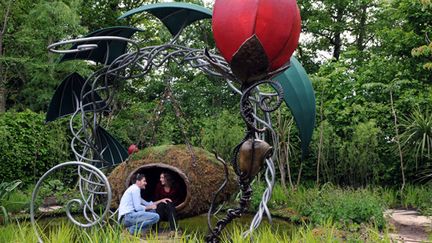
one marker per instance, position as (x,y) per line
(28,147)
(347,206)
(319,205)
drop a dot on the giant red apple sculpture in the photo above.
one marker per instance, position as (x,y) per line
(256,37)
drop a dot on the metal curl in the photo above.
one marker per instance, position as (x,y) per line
(90,223)
(68,208)
(246,110)
(52,47)
(220,65)
(266,97)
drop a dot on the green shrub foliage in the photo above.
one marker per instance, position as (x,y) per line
(28,147)
(328,203)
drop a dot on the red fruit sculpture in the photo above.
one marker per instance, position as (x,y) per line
(132,149)
(256,37)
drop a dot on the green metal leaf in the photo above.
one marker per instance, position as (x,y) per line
(66,98)
(175,16)
(107,50)
(110,149)
(300,98)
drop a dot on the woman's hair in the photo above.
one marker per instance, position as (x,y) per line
(168,178)
(139,177)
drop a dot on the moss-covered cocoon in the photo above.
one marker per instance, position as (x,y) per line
(198,176)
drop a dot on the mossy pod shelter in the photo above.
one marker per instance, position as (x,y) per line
(197,179)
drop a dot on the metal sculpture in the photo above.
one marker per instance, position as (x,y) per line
(254,58)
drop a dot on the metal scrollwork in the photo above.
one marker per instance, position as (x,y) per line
(92,181)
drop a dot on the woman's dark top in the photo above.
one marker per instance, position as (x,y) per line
(160,193)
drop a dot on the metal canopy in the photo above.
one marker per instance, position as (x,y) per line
(112,48)
(300,98)
(66,98)
(175,16)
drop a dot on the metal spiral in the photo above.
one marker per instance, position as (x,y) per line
(246,108)
(94,183)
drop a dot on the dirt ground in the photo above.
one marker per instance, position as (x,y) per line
(409,226)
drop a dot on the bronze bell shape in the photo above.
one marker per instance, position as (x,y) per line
(252,154)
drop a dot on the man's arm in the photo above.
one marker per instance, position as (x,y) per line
(136,200)
(145,203)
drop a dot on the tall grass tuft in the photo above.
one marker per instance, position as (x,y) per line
(419,197)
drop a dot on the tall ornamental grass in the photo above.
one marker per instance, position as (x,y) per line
(66,232)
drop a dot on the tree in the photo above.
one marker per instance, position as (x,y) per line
(333,26)
(35,71)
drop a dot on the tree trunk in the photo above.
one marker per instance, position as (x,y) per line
(299,174)
(362,28)
(397,140)
(2,97)
(281,166)
(3,90)
(288,166)
(337,41)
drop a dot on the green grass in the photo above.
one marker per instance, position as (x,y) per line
(345,206)
(419,197)
(158,150)
(67,232)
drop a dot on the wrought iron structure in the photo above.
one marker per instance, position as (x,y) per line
(124,58)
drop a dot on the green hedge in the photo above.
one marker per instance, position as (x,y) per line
(29,147)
